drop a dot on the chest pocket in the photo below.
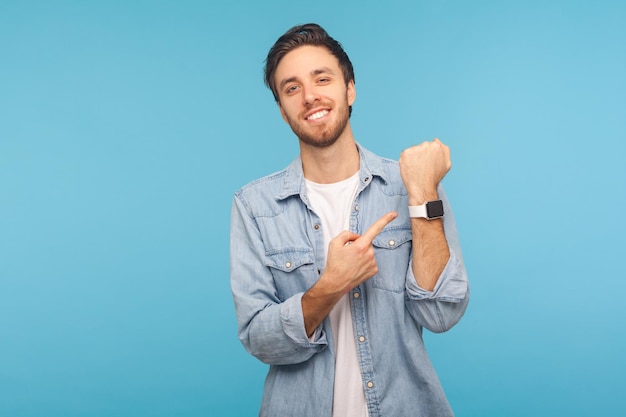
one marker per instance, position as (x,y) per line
(392,249)
(292,270)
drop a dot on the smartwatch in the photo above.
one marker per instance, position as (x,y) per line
(429,210)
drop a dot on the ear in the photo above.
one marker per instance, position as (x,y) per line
(351,92)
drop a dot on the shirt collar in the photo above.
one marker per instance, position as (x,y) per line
(293,180)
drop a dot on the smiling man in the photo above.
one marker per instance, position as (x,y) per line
(340,260)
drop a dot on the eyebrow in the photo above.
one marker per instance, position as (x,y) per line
(317,71)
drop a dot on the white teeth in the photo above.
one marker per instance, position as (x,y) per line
(318,115)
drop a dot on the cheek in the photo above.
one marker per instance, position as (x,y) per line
(282,113)
(288,111)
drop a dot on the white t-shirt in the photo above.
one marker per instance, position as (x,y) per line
(332,203)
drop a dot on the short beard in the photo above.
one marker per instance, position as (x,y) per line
(329,136)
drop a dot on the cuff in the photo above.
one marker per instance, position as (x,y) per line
(292,321)
(451,285)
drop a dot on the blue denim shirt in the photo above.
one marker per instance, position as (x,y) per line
(277,254)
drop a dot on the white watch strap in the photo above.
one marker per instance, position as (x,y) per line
(418,211)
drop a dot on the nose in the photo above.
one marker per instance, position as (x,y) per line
(310,94)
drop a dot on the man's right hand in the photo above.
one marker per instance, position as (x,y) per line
(350,262)
(351,259)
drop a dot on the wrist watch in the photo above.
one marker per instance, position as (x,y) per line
(429,210)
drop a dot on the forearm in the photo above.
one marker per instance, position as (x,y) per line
(317,303)
(430,249)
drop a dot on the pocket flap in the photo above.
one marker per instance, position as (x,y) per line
(289,260)
(392,238)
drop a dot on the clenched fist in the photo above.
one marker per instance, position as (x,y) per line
(422,167)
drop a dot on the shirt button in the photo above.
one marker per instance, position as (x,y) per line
(316,226)
(370,384)
(366,179)
(288,264)
(356,295)
(392,243)
(362,339)
(356,208)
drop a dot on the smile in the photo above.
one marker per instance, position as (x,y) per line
(318,115)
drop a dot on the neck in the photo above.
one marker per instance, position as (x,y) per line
(333,163)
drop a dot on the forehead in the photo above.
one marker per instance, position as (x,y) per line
(303,61)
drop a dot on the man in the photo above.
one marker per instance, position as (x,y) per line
(333,275)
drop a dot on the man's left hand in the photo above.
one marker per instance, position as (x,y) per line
(422,167)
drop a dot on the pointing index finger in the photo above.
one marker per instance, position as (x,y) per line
(378,226)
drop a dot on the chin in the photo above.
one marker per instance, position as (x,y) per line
(323,142)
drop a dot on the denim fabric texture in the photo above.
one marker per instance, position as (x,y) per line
(277,254)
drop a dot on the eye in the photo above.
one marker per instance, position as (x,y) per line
(323,80)
(291,89)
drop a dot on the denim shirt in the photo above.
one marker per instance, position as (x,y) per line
(277,254)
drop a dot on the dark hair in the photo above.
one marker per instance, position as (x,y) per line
(309,34)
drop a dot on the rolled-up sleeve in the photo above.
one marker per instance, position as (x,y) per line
(270,329)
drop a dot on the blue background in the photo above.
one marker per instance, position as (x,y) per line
(126,127)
